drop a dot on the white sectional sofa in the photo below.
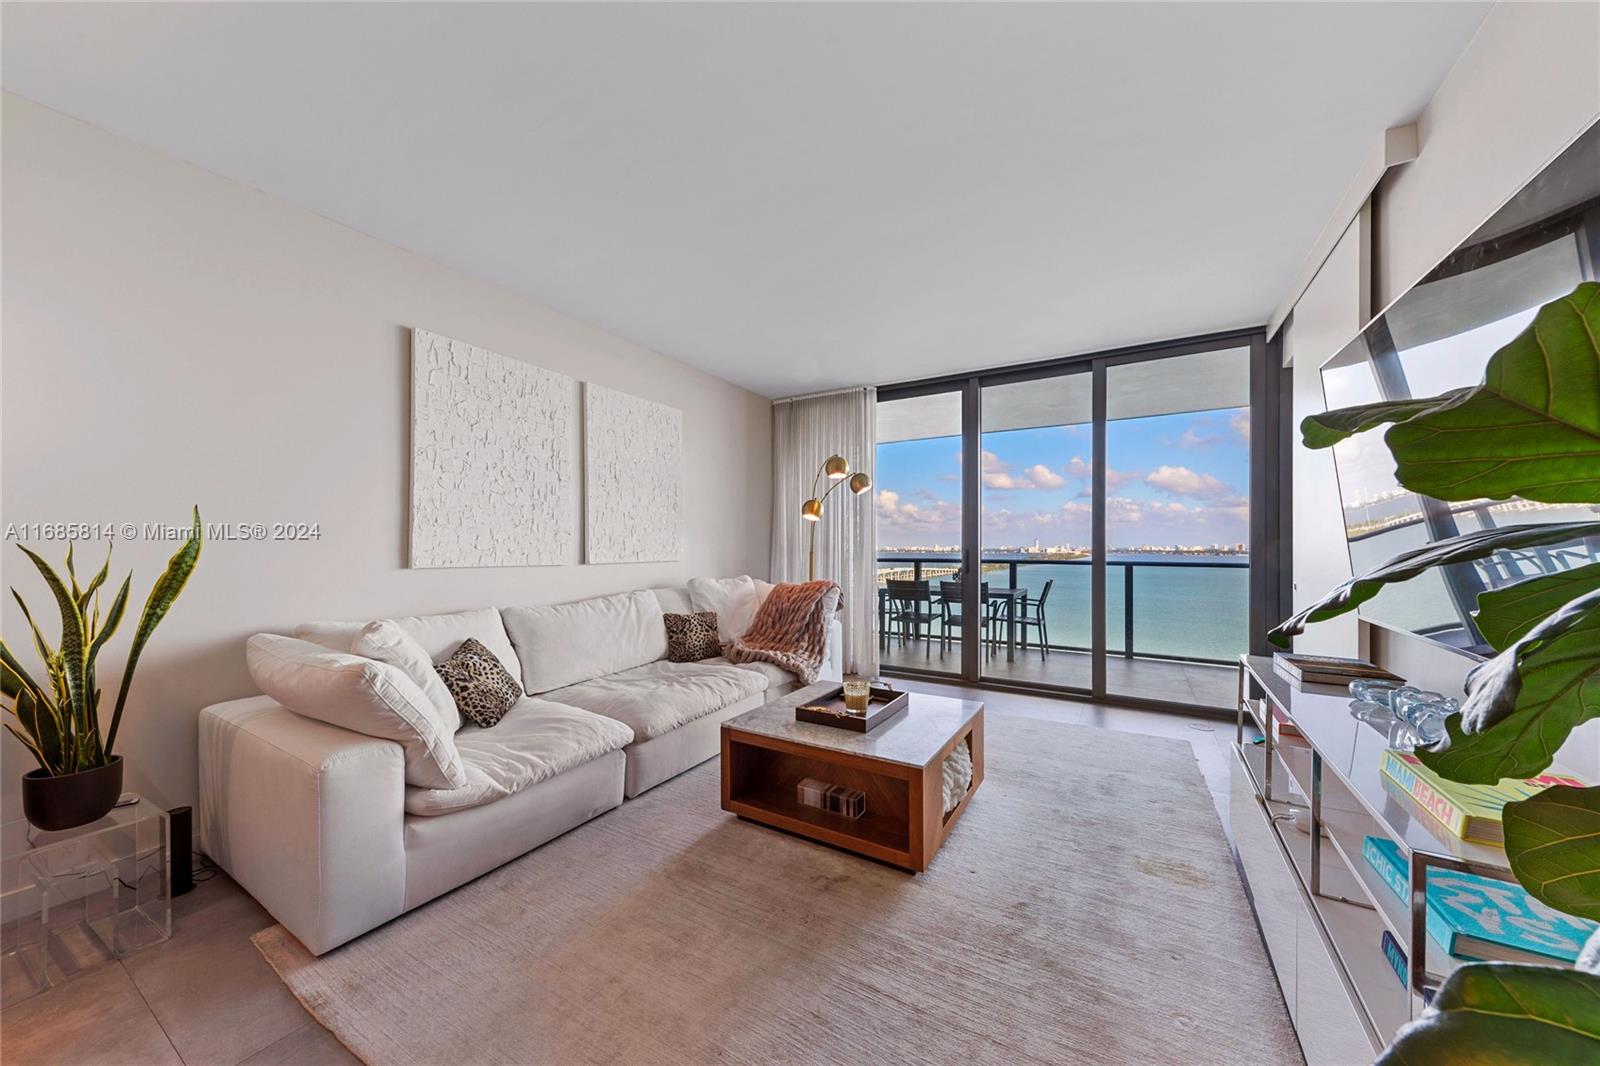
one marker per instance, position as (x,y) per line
(317,822)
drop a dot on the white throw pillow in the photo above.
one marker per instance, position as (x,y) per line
(733,598)
(364,696)
(386,642)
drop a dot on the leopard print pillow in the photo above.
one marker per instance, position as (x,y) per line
(692,637)
(481,687)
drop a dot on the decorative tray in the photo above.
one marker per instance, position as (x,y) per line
(883,703)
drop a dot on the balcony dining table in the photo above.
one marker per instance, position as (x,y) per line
(1012,598)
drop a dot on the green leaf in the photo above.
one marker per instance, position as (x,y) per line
(1459,549)
(162,595)
(1532,429)
(13,677)
(113,619)
(74,641)
(1506,615)
(1553,845)
(1505,1014)
(1327,428)
(95,582)
(1522,704)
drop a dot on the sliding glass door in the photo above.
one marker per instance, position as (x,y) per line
(920,532)
(1082,526)
(1038,529)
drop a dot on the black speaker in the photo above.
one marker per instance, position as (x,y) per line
(182,850)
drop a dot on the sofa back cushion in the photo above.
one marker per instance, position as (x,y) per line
(438,634)
(733,599)
(674,600)
(361,695)
(565,643)
(385,642)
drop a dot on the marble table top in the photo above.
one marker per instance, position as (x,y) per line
(912,738)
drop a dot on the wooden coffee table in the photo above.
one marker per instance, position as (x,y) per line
(899,765)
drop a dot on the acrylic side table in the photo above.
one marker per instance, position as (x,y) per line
(72,899)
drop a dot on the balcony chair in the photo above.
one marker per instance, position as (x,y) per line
(911,611)
(950,604)
(1033,615)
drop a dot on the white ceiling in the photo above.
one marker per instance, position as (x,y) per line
(793,197)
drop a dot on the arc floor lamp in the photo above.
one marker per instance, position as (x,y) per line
(836,469)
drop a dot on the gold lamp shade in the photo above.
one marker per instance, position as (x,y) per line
(811,510)
(836,467)
(860,483)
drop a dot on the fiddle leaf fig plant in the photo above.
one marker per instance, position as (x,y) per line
(1530,430)
(59,721)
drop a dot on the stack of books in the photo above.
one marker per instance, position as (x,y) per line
(1327,669)
(1471,812)
(1480,919)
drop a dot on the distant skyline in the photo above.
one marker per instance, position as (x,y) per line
(1170,479)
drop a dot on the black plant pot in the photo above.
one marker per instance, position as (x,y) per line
(71,799)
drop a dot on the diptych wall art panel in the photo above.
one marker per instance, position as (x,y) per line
(492,480)
(632,456)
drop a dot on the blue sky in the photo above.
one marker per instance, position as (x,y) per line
(1170,479)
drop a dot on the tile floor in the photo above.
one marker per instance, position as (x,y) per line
(207,997)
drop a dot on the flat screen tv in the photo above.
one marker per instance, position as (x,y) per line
(1437,337)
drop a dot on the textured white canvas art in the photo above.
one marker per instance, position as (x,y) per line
(492,481)
(632,459)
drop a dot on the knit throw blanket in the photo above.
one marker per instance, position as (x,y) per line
(791,629)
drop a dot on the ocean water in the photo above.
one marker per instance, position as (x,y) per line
(1190,612)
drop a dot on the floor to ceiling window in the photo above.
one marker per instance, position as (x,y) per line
(1110,555)
(1177,525)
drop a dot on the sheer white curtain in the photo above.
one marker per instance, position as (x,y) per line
(805,432)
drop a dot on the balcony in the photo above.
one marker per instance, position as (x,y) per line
(1174,626)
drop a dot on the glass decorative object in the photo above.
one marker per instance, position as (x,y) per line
(856,695)
(1374,690)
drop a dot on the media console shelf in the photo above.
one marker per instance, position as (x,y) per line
(1330,779)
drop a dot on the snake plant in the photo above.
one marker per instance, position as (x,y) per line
(1531,429)
(59,721)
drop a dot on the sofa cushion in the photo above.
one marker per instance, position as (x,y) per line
(733,599)
(777,677)
(535,741)
(674,600)
(565,643)
(388,643)
(361,695)
(439,634)
(483,690)
(658,697)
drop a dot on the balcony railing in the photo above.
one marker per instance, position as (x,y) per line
(1202,637)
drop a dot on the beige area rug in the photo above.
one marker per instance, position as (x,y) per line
(1085,910)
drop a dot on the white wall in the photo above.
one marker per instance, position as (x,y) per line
(1524,88)
(171,337)
(1331,311)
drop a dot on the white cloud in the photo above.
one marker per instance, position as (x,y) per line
(1044,477)
(1240,424)
(997,474)
(1181,481)
(1194,437)
(1078,467)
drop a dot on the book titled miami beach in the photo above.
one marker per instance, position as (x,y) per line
(1481,918)
(1471,812)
